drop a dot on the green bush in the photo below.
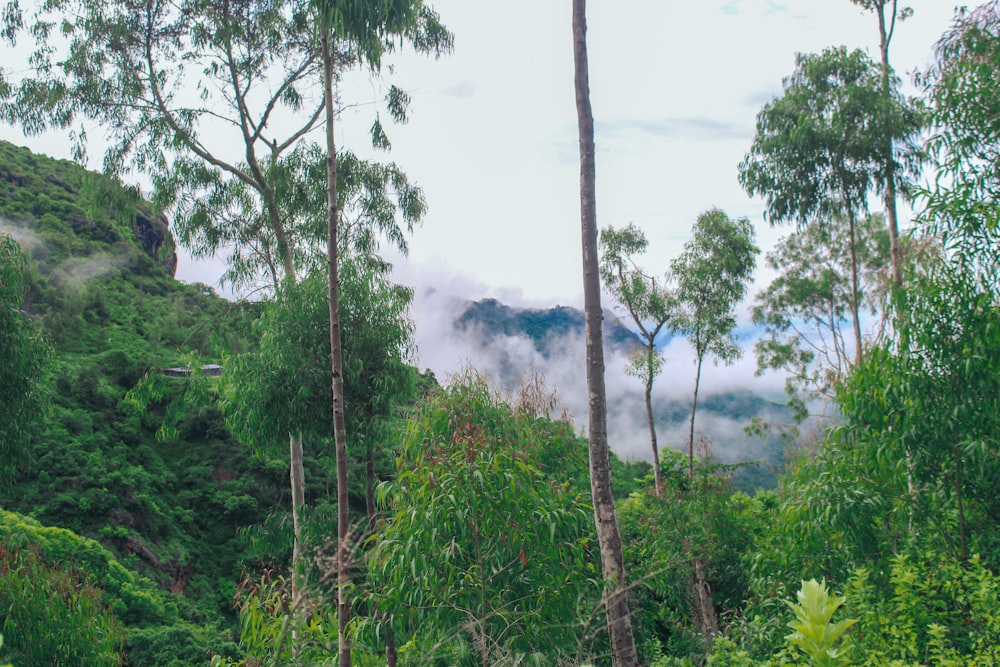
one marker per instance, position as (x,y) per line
(53,615)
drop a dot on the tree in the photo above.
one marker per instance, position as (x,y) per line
(819,149)
(962,205)
(205,100)
(712,275)
(23,361)
(649,305)
(617,607)
(483,547)
(371,29)
(703,520)
(886,30)
(283,387)
(804,309)
(134,70)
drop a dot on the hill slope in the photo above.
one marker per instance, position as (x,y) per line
(101,289)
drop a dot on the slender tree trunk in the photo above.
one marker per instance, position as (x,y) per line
(370,487)
(297,479)
(390,648)
(623,652)
(885,35)
(336,365)
(694,407)
(657,477)
(281,238)
(708,620)
(855,290)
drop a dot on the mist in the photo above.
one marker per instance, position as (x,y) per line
(440,299)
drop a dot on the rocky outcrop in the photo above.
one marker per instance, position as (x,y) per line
(153,234)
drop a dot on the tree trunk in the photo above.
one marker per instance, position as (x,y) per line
(885,35)
(297,479)
(370,508)
(855,292)
(694,407)
(657,477)
(390,648)
(623,652)
(336,365)
(708,621)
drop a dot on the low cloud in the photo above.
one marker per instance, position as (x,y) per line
(71,273)
(446,350)
(25,236)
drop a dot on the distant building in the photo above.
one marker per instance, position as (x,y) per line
(211,370)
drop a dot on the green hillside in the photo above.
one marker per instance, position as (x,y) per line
(101,290)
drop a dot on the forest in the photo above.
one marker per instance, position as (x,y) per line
(322,501)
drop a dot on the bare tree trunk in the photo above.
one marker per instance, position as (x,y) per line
(885,36)
(297,479)
(694,407)
(390,648)
(657,477)
(336,365)
(708,621)
(855,291)
(370,507)
(623,652)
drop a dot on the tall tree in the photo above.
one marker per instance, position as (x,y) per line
(202,99)
(649,304)
(804,309)
(371,29)
(818,151)
(712,274)
(623,652)
(963,205)
(888,13)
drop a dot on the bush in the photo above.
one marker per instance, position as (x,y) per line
(54,616)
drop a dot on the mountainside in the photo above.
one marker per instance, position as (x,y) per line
(540,325)
(101,289)
(165,528)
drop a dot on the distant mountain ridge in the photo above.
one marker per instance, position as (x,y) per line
(540,324)
(490,328)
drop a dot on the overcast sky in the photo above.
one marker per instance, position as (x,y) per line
(492,140)
(676,87)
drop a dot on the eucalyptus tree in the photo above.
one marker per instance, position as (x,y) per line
(202,99)
(712,274)
(888,13)
(370,29)
(963,204)
(23,360)
(284,386)
(648,303)
(819,148)
(623,652)
(804,309)
(484,546)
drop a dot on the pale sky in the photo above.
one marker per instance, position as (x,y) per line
(492,139)
(676,87)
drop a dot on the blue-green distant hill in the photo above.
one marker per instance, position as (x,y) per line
(554,341)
